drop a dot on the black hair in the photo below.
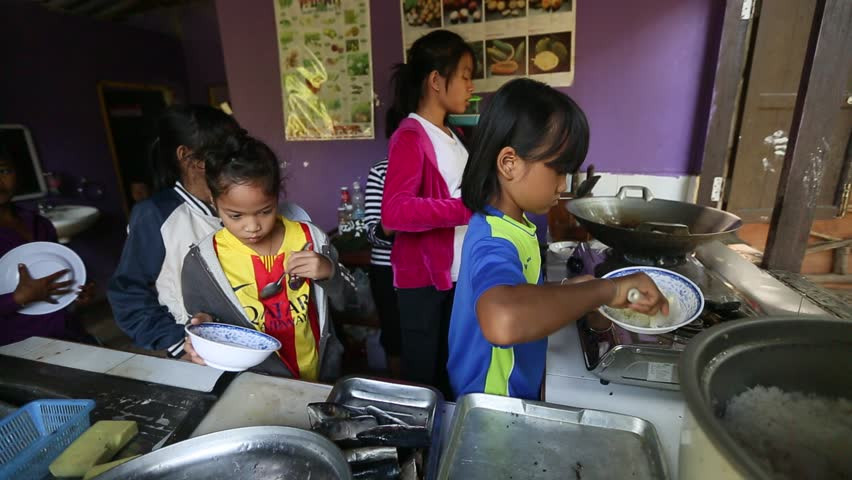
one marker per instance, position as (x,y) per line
(193,126)
(439,51)
(239,159)
(540,123)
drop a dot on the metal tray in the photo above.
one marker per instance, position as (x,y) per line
(241,453)
(500,437)
(415,404)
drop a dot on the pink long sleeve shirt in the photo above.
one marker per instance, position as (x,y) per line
(418,206)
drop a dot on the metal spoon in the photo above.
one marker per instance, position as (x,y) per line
(634,295)
(274,288)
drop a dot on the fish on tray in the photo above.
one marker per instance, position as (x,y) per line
(371,454)
(323,411)
(395,436)
(384,417)
(371,439)
(388,470)
(408,470)
(320,411)
(345,429)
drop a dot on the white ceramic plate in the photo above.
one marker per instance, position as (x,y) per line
(42,259)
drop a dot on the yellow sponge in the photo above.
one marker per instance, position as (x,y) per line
(96,445)
(102,468)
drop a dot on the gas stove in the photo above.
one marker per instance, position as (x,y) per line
(734,290)
(620,356)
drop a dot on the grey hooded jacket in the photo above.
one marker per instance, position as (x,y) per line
(206,289)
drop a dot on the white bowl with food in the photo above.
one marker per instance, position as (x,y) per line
(230,347)
(685,302)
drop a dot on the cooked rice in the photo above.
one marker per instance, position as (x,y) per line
(793,435)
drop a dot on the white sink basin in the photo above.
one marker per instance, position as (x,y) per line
(69,220)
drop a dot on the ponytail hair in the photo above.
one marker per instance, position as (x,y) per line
(441,51)
(239,159)
(193,126)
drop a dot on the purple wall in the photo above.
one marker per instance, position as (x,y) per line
(251,62)
(196,27)
(202,50)
(52,64)
(641,78)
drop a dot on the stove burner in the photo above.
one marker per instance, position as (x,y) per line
(621,356)
(663,261)
(614,260)
(597,344)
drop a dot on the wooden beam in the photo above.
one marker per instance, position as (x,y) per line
(823,80)
(830,278)
(823,236)
(841,258)
(724,109)
(821,247)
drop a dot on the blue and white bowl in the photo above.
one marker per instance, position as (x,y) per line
(685,302)
(229,347)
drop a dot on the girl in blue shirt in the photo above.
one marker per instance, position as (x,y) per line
(528,138)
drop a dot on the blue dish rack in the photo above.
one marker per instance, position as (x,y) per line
(33,436)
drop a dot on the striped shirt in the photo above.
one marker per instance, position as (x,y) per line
(373,214)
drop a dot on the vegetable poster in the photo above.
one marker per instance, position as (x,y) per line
(326,68)
(511,38)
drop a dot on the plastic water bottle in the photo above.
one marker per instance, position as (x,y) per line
(344,220)
(358,209)
(344,212)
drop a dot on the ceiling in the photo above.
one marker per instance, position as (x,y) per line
(109,9)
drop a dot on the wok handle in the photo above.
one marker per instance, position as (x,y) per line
(662,227)
(646,193)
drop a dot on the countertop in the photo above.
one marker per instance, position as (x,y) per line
(567,382)
(253,399)
(113,362)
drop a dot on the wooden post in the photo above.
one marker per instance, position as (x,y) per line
(724,109)
(823,80)
(841,257)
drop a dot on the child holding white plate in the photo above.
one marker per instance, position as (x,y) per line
(19,227)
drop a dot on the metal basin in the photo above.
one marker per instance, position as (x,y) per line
(69,220)
(243,453)
(805,354)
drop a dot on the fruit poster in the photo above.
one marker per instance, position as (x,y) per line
(326,68)
(511,38)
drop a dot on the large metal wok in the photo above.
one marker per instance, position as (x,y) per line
(648,226)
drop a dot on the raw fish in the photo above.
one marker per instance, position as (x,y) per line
(338,429)
(370,454)
(384,417)
(396,436)
(375,470)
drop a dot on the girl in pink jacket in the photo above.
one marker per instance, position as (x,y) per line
(422,201)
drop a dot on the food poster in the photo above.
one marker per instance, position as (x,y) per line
(326,69)
(511,38)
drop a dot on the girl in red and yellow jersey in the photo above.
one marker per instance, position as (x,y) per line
(225,273)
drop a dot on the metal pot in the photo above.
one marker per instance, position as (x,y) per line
(805,354)
(242,453)
(648,226)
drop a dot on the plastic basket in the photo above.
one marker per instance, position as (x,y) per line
(33,436)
